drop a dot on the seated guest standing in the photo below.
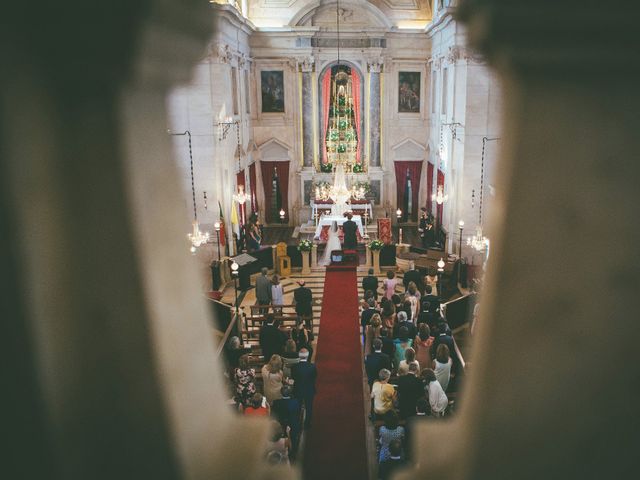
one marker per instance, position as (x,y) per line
(408,308)
(258,406)
(233,352)
(389,284)
(442,365)
(390,431)
(382,393)
(366,315)
(432,301)
(289,357)
(409,358)
(302,336)
(404,322)
(443,336)
(372,332)
(423,411)
(410,388)
(370,282)
(304,376)
(388,346)
(376,361)
(412,276)
(272,378)
(422,345)
(397,302)
(388,467)
(271,338)
(243,381)
(388,313)
(303,300)
(402,343)
(288,411)
(437,398)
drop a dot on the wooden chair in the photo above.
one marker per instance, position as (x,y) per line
(283,260)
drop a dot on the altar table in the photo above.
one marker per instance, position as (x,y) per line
(327,220)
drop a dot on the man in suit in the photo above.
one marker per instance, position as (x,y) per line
(304,376)
(410,388)
(376,361)
(263,290)
(423,226)
(366,315)
(288,411)
(272,339)
(404,322)
(349,229)
(414,276)
(303,300)
(370,282)
(433,301)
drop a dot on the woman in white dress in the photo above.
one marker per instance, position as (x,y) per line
(277,294)
(333,243)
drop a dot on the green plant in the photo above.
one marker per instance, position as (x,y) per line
(376,245)
(357,168)
(326,167)
(305,246)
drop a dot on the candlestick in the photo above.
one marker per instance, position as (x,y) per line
(400,239)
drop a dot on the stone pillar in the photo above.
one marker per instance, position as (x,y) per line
(306,67)
(305,263)
(375,67)
(104,382)
(368,256)
(314,256)
(542,354)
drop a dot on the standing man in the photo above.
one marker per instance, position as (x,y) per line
(303,300)
(370,282)
(423,228)
(349,229)
(263,290)
(412,276)
(304,376)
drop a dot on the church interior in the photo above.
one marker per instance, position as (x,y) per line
(397,230)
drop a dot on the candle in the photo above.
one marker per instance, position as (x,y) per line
(400,236)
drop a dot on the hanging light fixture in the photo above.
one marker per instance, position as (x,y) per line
(439,197)
(196,237)
(478,241)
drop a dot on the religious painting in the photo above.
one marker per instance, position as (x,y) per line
(409,92)
(272,83)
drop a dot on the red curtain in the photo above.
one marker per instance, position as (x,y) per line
(326,100)
(267,169)
(355,85)
(252,187)
(414,168)
(441,206)
(429,186)
(242,207)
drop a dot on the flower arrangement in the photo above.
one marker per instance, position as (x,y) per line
(305,246)
(326,167)
(376,245)
(358,168)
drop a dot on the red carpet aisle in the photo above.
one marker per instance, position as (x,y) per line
(336,444)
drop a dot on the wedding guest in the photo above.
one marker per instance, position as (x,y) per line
(272,378)
(258,406)
(289,357)
(263,290)
(376,361)
(288,411)
(410,388)
(431,279)
(302,336)
(388,313)
(243,381)
(303,300)
(437,398)
(387,468)
(409,359)
(277,294)
(388,347)
(422,345)
(442,365)
(370,282)
(403,321)
(278,446)
(382,393)
(271,337)
(304,376)
(402,343)
(366,315)
(412,276)
(389,284)
(372,332)
(391,430)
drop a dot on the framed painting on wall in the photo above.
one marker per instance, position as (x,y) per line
(409,92)
(272,85)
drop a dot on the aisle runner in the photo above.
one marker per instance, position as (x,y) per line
(336,444)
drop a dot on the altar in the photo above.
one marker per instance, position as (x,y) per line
(362,207)
(327,220)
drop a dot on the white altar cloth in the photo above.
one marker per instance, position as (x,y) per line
(326,220)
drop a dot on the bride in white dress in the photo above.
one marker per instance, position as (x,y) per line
(333,243)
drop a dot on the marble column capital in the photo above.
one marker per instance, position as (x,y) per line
(375,65)
(306,64)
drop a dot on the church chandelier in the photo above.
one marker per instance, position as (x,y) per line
(478,241)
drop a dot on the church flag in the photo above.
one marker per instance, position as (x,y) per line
(223,233)
(234,218)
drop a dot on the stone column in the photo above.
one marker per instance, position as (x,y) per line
(367,256)
(542,354)
(314,255)
(375,67)
(306,67)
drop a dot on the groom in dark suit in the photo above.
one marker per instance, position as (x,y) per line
(349,228)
